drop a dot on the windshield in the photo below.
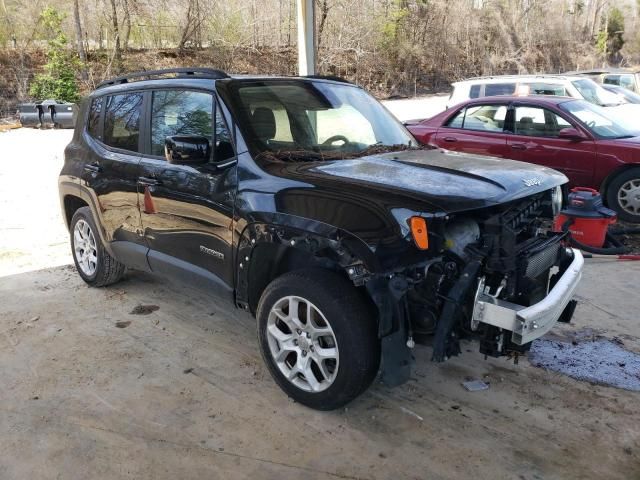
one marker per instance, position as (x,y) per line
(594,93)
(314,120)
(596,119)
(627,95)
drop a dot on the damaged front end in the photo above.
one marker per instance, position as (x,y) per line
(498,275)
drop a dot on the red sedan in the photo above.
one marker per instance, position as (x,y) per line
(575,137)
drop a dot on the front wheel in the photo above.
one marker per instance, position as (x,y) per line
(318,338)
(623,195)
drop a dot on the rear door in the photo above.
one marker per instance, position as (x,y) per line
(535,140)
(187,208)
(475,129)
(111,171)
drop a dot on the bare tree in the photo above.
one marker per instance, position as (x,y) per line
(79,41)
(127,24)
(117,52)
(323,5)
(191,31)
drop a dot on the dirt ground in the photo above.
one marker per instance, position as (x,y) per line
(90,390)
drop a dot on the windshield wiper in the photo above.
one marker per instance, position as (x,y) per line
(306,155)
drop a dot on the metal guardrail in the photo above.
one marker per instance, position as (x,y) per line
(48,114)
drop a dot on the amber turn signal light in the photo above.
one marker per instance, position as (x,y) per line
(419,232)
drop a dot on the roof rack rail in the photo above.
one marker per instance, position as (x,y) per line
(207,73)
(515,75)
(334,78)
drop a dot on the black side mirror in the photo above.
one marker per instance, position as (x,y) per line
(187,149)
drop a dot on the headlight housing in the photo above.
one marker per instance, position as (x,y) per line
(556,200)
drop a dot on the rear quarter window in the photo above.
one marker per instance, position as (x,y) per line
(93,122)
(474,91)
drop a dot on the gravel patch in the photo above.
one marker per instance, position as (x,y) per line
(600,361)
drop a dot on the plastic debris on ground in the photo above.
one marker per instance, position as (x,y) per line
(475,385)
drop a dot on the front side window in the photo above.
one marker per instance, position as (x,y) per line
(223,147)
(596,120)
(180,113)
(93,123)
(122,121)
(538,122)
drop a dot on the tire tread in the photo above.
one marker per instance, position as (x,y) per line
(109,269)
(360,324)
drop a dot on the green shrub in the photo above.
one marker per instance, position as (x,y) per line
(58,81)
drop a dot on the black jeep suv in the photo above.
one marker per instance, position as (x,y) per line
(306,203)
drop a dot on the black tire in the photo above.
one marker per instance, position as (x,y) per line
(352,322)
(612,194)
(108,270)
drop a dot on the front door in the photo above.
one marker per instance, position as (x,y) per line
(187,208)
(535,140)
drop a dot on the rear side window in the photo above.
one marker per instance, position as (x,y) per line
(122,121)
(542,88)
(492,89)
(489,118)
(474,91)
(180,112)
(93,123)
(457,120)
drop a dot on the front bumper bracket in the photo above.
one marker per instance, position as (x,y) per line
(532,322)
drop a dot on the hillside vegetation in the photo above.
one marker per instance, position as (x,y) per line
(391,47)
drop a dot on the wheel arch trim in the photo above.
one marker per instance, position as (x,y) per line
(339,249)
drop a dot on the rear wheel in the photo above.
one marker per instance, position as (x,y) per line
(623,195)
(94,264)
(318,338)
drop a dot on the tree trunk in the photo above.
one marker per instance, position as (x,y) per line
(186,31)
(117,53)
(324,11)
(127,26)
(79,42)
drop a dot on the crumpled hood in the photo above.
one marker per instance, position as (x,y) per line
(448,180)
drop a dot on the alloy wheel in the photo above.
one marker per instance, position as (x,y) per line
(84,248)
(302,344)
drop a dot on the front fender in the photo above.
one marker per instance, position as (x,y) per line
(343,249)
